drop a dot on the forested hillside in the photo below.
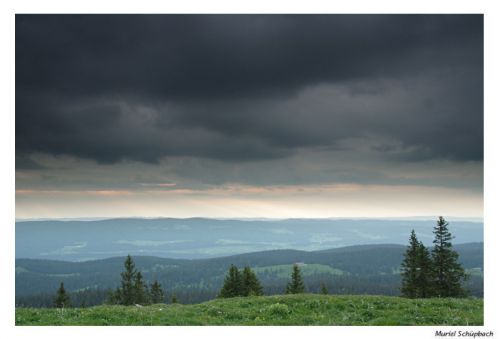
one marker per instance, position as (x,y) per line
(368,269)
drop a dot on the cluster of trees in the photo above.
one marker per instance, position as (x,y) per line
(246,283)
(134,290)
(432,274)
(240,284)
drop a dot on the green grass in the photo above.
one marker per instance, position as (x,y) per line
(304,309)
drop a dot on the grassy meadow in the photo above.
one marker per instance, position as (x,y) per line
(302,309)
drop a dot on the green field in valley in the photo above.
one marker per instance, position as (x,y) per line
(302,309)
(284,271)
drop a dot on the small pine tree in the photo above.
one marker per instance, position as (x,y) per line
(61,299)
(297,284)
(324,290)
(174,299)
(250,283)
(156,293)
(232,284)
(448,273)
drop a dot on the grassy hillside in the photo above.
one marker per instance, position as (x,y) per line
(306,309)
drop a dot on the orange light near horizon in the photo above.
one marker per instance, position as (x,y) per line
(233,201)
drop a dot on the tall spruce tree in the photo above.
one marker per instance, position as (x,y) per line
(232,284)
(297,284)
(416,270)
(127,290)
(156,292)
(61,299)
(409,268)
(425,274)
(250,284)
(448,273)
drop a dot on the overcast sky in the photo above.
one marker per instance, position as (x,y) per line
(249,115)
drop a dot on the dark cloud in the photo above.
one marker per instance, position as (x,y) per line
(197,56)
(248,87)
(24,162)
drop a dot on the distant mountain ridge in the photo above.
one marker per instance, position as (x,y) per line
(197,238)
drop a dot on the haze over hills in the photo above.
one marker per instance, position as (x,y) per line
(207,238)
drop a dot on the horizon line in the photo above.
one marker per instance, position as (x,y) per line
(425,217)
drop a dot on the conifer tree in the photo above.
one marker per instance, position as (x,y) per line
(410,268)
(61,299)
(174,299)
(232,284)
(324,290)
(416,270)
(448,273)
(425,274)
(297,284)
(127,290)
(156,292)
(250,283)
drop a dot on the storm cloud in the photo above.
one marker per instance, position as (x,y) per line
(239,88)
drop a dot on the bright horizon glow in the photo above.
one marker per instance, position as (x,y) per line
(242,201)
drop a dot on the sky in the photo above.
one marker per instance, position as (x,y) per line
(249,116)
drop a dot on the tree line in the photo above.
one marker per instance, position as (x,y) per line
(246,283)
(134,291)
